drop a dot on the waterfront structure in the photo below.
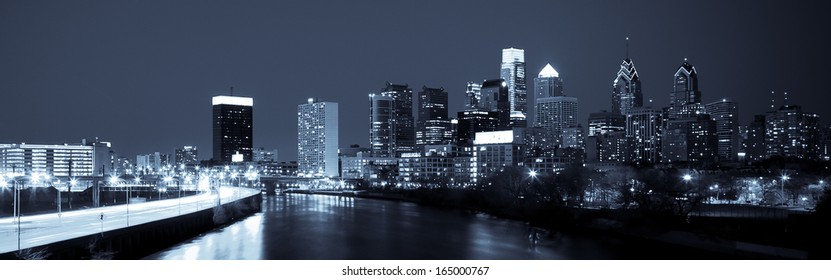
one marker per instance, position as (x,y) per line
(512,71)
(317,138)
(496,150)
(233,128)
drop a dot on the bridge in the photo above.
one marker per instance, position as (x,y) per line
(45,229)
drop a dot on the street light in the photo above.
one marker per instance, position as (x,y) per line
(784,178)
(167,180)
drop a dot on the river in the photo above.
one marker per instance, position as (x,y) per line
(314,227)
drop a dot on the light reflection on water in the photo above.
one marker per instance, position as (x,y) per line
(331,227)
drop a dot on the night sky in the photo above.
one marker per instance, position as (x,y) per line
(141,74)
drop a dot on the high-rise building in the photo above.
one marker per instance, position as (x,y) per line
(469,122)
(690,139)
(754,144)
(381,125)
(605,122)
(473,93)
(626,89)
(644,125)
(685,98)
(186,155)
(556,114)
(547,84)
(725,113)
(317,138)
(232,127)
(495,98)
(433,123)
(790,132)
(392,126)
(513,72)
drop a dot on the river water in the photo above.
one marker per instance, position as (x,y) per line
(314,227)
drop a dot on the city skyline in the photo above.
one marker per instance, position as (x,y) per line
(92,72)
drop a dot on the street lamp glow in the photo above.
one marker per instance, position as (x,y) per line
(687,177)
(73,182)
(785,177)
(533,173)
(113,179)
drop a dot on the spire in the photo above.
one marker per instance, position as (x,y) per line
(786,99)
(627,48)
(548,72)
(232,91)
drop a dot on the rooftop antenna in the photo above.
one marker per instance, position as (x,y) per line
(772,99)
(786,98)
(232,91)
(627,47)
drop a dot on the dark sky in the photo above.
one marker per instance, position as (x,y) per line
(141,73)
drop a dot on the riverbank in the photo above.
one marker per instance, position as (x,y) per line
(794,237)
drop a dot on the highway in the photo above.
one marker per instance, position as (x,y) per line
(45,229)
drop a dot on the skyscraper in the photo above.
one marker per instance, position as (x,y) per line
(433,123)
(685,98)
(317,138)
(547,84)
(473,93)
(626,89)
(513,72)
(790,132)
(495,98)
(556,114)
(392,126)
(644,125)
(725,113)
(232,127)
(381,125)
(754,146)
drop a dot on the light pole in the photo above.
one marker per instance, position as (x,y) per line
(113,181)
(782,188)
(167,180)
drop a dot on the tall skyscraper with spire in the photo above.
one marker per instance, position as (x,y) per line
(513,72)
(626,89)
(547,84)
(685,98)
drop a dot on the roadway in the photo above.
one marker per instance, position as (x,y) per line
(38,230)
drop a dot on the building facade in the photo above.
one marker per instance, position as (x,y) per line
(317,138)
(433,124)
(512,71)
(725,113)
(233,127)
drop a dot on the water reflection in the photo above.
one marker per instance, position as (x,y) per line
(330,227)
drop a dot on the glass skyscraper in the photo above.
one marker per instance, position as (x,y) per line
(433,123)
(232,127)
(685,98)
(513,72)
(626,89)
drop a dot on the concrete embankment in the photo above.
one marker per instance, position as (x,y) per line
(141,240)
